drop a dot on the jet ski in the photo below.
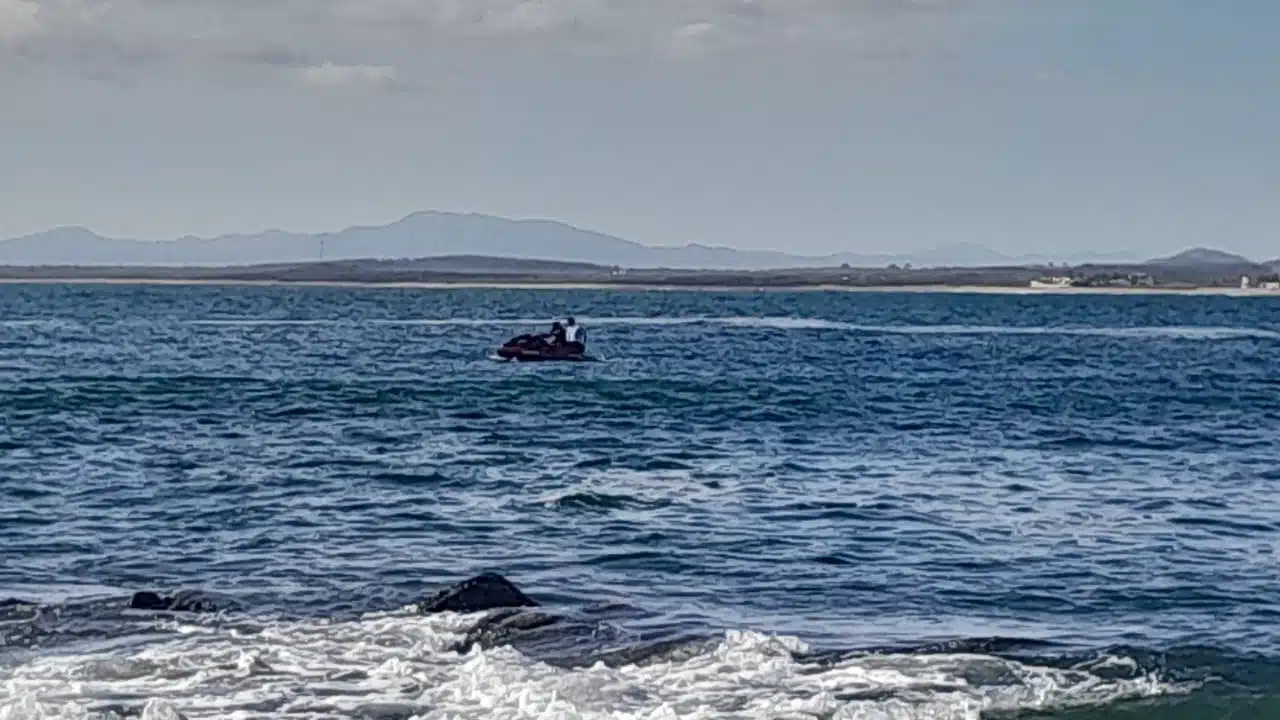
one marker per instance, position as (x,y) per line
(536,348)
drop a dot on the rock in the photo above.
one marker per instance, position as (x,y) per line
(485,592)
(152,710)
(186,601)
(192,601)
(13,608)
(504,628)
(982,646)
(514,620)
(510,620)
(672,650)
(148,601)
(995,646)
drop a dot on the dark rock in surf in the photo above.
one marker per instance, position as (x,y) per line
(13,608)
(982,646)
(510,620)
(505,627)
(514,620)
(148,601)
(567,641)
(671,650)
(1005,647)
(479,594)
(194,601)
(186,601)
(137,711)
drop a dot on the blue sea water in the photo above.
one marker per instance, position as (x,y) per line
(748,493)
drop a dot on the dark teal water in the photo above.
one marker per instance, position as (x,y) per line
(771,482)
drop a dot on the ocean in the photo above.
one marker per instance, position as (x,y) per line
(756,505)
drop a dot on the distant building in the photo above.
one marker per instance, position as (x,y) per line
(1244,282)
(1052,282)
(1117,280)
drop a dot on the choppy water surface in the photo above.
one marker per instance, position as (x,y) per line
(749,490)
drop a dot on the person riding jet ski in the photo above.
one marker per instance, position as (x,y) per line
(558,334)
(562,343)
(574,332)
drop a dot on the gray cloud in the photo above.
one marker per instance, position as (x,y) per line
(343,42)
(18,19)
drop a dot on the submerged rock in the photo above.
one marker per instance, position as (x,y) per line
(567,639)
(514,620)
(504,628)
(479,594)
(152,710)
(186,601)
(16,609)
(982,646)
(1006,647)
(561,640)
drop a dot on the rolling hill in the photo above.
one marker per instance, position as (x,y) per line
(437,234)
(1203,257)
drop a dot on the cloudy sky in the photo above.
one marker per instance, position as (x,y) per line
(807,125)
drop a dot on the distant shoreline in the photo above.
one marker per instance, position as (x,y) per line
(647,287)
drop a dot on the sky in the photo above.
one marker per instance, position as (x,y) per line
(815,126)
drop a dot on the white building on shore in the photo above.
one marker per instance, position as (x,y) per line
(1052,283)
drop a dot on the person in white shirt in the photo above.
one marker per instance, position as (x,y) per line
(573,332)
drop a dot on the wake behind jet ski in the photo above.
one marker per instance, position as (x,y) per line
(560,344)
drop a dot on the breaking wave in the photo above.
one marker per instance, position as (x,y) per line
(399,665)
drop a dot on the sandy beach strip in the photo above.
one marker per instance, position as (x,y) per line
(645,287)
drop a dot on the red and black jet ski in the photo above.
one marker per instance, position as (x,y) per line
(536,348)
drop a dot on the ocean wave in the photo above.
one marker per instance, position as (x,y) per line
(264,322)
(1169,332)
(404,666)
(594,501)
(930,469)
(1182,332)
(1186,332)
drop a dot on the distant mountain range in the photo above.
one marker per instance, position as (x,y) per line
(435,234)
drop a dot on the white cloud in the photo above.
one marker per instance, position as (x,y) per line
(531,16)
(693,40)
(331,75)
(514,16)
(18,19)
(470,17)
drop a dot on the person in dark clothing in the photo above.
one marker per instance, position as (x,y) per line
(557,333)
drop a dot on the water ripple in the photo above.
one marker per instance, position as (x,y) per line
(844,468)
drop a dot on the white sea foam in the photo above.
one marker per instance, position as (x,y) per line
(262,322)
(1170,332)
(798,324)
(399,665)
